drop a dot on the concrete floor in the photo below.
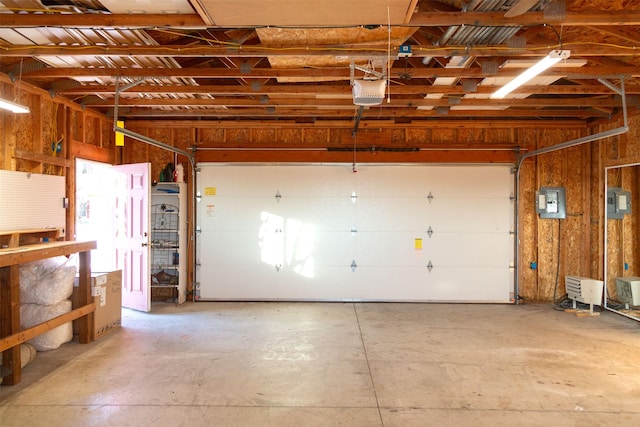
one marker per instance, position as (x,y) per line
(317,364)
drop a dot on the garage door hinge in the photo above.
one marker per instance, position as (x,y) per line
(430,266)
(353,265)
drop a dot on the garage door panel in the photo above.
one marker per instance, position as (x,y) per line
(332,283)
(469,215)
(244,248)
(470,284)
(300,246)
(250,282)
(388,249)
(321,248)
(469,250)
(441,284)
(223,213)
(226,179)
(398,283)
(377,181)
(231,214)
(262,282)
(327,180)
(466,182)
(239,248)
(417,181)
(223,181)
(334,249)
(391,214)
(323,214)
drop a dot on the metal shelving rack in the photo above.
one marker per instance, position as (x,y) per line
(165,245)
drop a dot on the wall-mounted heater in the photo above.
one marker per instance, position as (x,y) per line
(584,290)
(628,289)
(369,92)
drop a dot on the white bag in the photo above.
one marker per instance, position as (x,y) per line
(47,281)
(33,314)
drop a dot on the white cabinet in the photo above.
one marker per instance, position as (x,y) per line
(169,238)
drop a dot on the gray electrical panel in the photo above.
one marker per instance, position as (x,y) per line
(618,203)
(551,202)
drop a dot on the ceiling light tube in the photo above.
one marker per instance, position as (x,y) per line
(13,107)
(548,61)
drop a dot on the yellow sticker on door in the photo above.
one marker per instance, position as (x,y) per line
(210,191)
(418,244)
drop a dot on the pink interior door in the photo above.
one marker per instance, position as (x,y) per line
(132,234)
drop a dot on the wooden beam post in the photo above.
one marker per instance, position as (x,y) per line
(84,288)
(10,320)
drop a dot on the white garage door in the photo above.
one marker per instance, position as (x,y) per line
(383,233)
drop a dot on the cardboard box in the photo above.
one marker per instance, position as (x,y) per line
(106,289)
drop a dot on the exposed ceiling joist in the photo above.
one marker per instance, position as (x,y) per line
(419,19)
(225,60)
(344,74)
(584,48)
(319,90)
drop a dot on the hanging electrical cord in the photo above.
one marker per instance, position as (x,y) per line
(389,56)
(616,179)
(620,229)
(555,288)
(557,35)
(353,167)
(563,302)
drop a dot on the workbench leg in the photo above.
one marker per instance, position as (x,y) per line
(10,320)
(85,324)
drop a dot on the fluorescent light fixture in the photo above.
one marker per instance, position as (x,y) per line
(13,107)
(548,61)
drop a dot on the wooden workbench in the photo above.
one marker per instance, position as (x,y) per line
(11,336)
(13,238)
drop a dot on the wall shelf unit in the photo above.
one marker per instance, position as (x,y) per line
(168,239)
